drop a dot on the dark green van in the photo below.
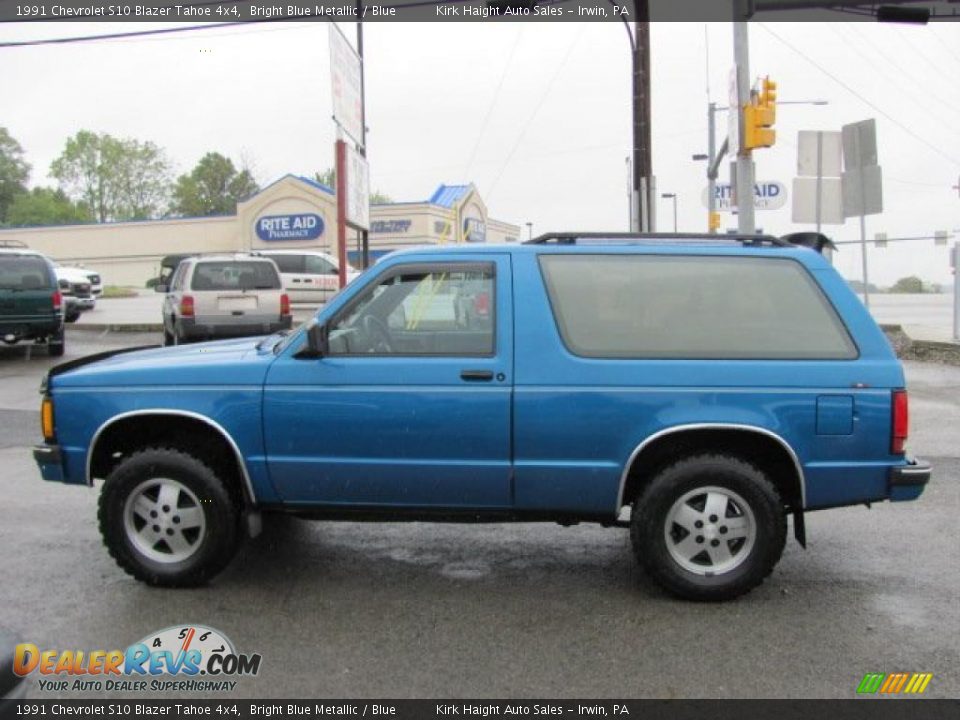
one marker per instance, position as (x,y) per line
(31,307)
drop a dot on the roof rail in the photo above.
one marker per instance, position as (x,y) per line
(571,238)
(13,244)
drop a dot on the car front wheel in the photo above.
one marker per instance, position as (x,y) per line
(709,527)
(167,519)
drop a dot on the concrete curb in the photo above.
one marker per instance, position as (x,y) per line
(945,353)
(117,327)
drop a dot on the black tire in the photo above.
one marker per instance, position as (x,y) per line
(56,344)
(167,338)
(212,548)
(683,478)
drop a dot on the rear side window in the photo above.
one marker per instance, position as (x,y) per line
(692,307)
(24,272)
(288,263)
(235,275)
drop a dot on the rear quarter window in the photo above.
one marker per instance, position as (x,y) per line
(235,275)
(692,307)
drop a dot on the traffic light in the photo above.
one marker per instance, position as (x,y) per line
(759,117)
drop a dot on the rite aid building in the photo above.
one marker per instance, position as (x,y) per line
(292,213)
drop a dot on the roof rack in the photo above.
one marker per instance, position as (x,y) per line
(13,244)
(571,238)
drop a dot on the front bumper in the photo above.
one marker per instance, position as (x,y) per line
(906,482)
(49,459)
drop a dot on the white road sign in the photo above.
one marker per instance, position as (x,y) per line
(358,190)
(805,201)
(767,195)
(345,85)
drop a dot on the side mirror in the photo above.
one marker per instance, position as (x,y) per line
(318,341)
(160,288)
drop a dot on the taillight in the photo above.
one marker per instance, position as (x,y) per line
(284,304)
(186,306)
(900,421)
(481,304)
(57,300)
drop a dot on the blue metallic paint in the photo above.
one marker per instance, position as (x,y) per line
(554,435)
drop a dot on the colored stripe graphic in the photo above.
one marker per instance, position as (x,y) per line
(894,683)
(870,683)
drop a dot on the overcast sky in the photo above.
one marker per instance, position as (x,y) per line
(537,115)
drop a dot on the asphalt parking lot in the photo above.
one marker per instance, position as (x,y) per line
(524,610)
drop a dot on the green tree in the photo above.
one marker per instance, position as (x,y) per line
(115,178)
(329,178)
(910,284)
(45,206)
(14,172)
(213,187)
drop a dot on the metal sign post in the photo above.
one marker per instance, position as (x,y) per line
(861,182)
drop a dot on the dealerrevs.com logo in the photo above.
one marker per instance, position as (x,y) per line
(178,658)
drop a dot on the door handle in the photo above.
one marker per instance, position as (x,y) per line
(476,375)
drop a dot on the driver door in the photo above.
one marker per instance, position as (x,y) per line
(411,405)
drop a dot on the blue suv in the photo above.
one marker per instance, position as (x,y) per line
(696,389)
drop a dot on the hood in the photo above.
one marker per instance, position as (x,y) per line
(74,275)
(223,362)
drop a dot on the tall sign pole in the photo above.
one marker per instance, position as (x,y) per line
(341,171)
(744,165)
(364,234)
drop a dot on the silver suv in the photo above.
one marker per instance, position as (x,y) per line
(213,296)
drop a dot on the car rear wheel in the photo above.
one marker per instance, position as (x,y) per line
(709,527)
(167,518)
(56,344)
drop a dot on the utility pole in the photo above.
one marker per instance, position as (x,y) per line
(745,172)
(643,184)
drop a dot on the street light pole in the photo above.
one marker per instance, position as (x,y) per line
(364,234)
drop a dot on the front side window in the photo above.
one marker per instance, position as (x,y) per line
(235,275)
(421,310)
(692,307)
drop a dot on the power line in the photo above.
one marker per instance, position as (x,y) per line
(493,103)
(117,36)
(860,97)
(536,110)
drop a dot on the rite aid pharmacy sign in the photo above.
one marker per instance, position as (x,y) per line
(771,195)
(306,226)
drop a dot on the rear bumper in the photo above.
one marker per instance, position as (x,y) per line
(906,482)
(190,328)
(49,459)
(30,329)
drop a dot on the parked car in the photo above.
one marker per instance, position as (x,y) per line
(308,276)
(168,265)
(75,284)
(96,280)
(214,296)
(31,305)
(698,390)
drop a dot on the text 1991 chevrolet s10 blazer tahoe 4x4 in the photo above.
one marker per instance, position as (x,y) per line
(714,385)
